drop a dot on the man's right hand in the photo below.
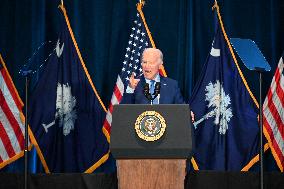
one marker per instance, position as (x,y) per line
(133,82)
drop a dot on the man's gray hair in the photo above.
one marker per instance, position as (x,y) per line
(154,49)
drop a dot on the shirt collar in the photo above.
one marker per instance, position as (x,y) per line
(157,79)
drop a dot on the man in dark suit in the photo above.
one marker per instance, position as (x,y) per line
(152,60)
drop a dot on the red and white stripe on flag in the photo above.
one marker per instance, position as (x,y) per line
(273,115)
(11,126)
(115,99)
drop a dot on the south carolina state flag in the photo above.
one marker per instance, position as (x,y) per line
(65,111)
(226,127)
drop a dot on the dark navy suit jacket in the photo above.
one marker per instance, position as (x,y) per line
(169,93)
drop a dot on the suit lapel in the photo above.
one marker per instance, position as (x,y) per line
(163,90)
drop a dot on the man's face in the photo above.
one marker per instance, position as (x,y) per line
(151,62)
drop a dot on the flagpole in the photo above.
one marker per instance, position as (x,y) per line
(26,134)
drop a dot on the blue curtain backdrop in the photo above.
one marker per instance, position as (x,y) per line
(182,29)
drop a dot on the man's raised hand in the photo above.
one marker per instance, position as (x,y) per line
(133,82)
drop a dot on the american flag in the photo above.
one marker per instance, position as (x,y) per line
(11,126)
(137,42)
(140,38)
(273,115)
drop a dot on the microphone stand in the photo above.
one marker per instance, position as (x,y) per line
(26,134)
(261,149)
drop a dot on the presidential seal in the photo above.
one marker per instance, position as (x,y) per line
(150,126)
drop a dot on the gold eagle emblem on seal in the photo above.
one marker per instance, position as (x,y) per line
(150,126)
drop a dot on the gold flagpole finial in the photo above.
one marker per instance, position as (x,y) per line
(215,5)
(140,4)
(61,5)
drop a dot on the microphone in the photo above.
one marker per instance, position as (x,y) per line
(157,89)
(146,91)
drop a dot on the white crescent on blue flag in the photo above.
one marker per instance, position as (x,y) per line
(226,117)
(65,113)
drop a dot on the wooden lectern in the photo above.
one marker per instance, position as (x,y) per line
(159,164)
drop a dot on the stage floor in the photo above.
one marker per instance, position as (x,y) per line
(194,180)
